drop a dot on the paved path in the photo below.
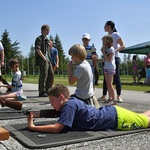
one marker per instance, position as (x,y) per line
(136,101)
(31,90)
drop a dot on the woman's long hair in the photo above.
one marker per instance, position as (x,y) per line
(112,24)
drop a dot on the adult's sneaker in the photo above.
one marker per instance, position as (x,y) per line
(112,102)
(101,99)
(43,95)
(119,100)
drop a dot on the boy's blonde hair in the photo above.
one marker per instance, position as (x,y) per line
(59,89)
(78,50)
(108,40)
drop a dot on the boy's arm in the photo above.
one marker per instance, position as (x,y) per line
(100,60)
(95,59)
(6,86)
(71,79)
(52,128)
(5,83)
(40,54)
(38,44)
(57,59)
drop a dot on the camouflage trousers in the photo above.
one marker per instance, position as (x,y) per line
(46,77)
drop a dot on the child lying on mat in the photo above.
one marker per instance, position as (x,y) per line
(16,92)
(77,115)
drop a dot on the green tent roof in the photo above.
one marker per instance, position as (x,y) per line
(142,48)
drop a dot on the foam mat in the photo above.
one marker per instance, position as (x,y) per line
(8,113)
(35,99)
(35,140)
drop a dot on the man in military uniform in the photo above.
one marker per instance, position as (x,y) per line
(43,60)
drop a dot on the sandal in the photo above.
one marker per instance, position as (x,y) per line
(112,102)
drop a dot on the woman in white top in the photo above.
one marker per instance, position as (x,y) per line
(118,45)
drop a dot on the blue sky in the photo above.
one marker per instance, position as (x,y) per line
(70,19)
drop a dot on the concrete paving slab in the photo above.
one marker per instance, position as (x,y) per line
(133,100)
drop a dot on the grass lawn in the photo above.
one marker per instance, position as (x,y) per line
(127,82)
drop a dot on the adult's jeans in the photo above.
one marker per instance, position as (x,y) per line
(117,80)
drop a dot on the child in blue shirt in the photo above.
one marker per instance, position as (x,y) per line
(77,115)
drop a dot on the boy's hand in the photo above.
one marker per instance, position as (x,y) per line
(30,121)
(1,85)
(103,49)
(95,57)
(69,65)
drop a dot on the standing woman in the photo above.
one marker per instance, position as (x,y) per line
(135,68)
(147,68)
(118,45)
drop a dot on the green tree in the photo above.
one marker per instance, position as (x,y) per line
(61,54)
(11,50)
(15,49)
(22,63)
(140,62)
(31,60)
(51,38)
(7,44)
(127,66)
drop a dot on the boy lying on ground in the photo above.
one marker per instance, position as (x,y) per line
(77,115)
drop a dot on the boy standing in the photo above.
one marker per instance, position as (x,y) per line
(42,52)
(92,57)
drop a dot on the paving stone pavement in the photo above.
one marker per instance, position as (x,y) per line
(133,100)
